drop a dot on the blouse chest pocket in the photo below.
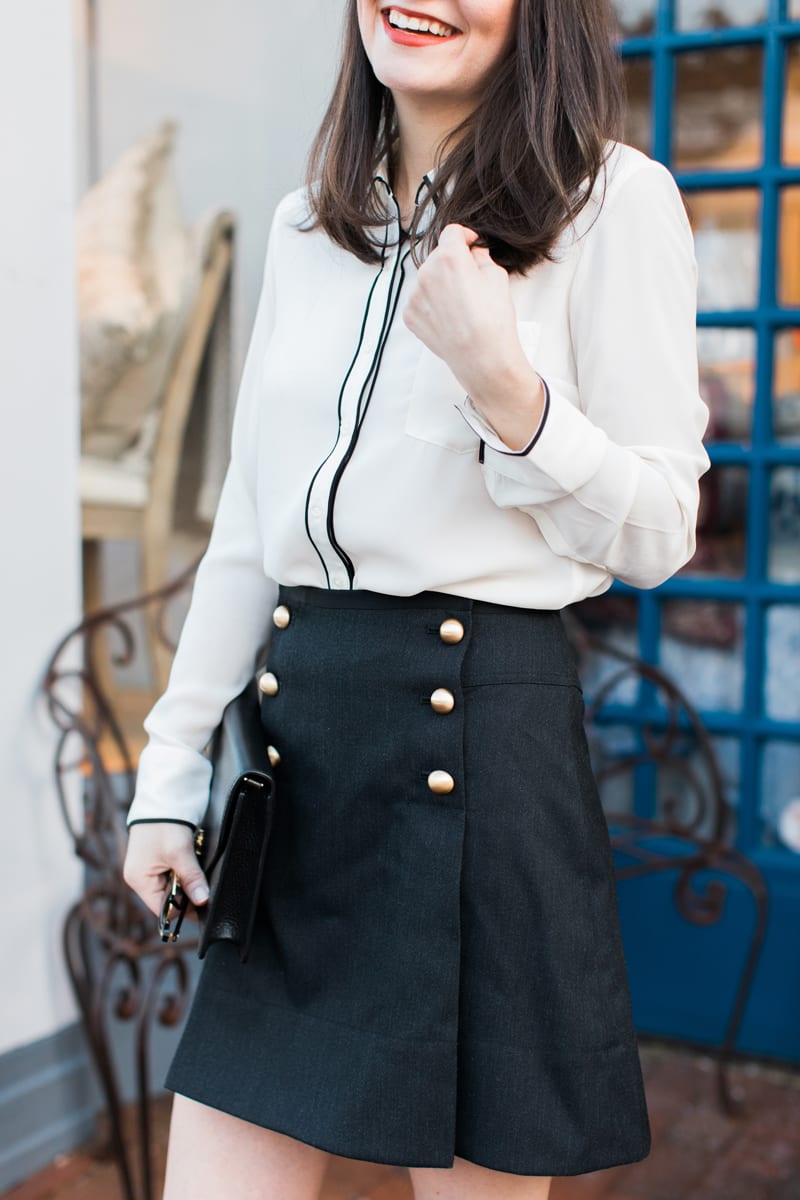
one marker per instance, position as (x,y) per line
(432,415)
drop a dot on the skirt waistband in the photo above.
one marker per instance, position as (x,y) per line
(363,598)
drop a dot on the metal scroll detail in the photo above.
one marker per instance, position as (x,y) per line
(693,819)
(119,968)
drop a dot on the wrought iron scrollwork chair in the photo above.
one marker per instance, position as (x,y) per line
(690,834)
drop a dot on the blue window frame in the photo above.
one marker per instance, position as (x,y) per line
(714,91)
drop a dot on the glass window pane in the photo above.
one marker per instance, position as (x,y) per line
(608,746)
(718,108)
(781,693)
(727,242)
(789,255)
(784,525)
(685,784)
(718,14)
(721,524)
(702,647)
(786,391)
(791,109)
(727,382)
(780,795)
(793,10)
(635,16)
(638,84)
(614,619)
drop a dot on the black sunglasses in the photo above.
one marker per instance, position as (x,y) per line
(175,898)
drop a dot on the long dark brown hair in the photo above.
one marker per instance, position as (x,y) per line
(516,163)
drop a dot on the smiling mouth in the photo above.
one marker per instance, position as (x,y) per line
(418,23)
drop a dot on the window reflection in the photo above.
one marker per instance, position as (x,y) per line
(614,618)
(781,693)
(607,745)
(635,16)
(718,14)
(727,243)
(789,256)
(784,525)
(638,86)
(791,106)
(727,360)
(718,108)
(702,646)
(786,390)
(721,524)
(674,792)
(780,795)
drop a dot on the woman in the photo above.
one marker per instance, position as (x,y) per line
(470,399)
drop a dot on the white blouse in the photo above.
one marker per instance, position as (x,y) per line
(358,462)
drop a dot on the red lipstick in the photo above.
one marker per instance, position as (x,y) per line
(407,37)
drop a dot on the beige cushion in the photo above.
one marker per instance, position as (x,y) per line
(114,478)
(134,268)
(113,483)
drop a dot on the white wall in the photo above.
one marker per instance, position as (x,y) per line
(247,81)
(39,526)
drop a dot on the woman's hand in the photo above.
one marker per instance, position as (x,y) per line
(154,849)
(462,309)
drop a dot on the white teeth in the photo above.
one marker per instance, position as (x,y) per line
(418,24)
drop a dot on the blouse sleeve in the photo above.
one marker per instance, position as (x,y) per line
(613,479)
(228,617)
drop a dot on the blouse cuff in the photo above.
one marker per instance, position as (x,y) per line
(478,423)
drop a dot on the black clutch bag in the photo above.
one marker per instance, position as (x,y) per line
(231,842)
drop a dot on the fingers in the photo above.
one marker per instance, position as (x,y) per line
(190,873)
(152,890)
(455,234)
(153,851)
(482,257)
(456,238)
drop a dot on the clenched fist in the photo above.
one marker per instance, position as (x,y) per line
(462,309)
(156,848)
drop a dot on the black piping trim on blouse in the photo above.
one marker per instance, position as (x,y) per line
(361,412)
(542,422)
(389,312)
(525,449)
(161,821)
(339,413)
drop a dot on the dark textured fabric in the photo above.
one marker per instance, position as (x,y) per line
(431,974)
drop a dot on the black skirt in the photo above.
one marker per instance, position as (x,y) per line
(437,968)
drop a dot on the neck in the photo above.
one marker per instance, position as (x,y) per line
(422,128)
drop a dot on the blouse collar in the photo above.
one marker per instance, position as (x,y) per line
(388,201)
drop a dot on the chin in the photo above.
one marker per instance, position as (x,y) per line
(405,78)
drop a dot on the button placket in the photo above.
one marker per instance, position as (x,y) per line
(444,757)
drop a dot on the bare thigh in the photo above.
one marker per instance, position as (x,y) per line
(211,1154)
(467,1181)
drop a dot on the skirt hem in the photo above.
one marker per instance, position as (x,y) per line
(331,1146)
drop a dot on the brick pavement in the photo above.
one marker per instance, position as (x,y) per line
(698,1153)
